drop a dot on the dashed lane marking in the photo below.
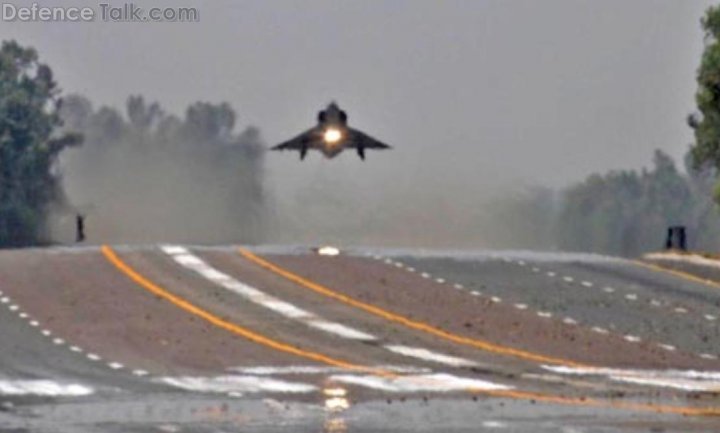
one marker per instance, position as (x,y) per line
(545,314)
(427,355)
(410,323)
(233,328)
(194,263)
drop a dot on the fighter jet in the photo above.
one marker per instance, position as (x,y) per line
(331,136)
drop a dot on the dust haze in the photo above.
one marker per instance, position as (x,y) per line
(484,102)
(147,176)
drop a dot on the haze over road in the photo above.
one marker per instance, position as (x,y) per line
(207,338)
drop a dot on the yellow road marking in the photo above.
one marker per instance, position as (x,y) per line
(187,306)
(176,300)
(410,323)
(677,273)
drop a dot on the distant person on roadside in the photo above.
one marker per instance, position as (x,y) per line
(79,228)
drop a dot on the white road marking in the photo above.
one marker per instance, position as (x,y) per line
(608,289)
(341,330)
(14,308)
(23,315)
(410,269)
(544,314)
(399,265)
(600,330)
(521,306)
(177,249)
(632,338)
(475,293)
(182,256)
(668,347)
(317,370)
(494,424)
(429,383)
(440,280)
(521,263)
(425,275)
(551,274)
(536,269)
(140,373)
(58,341)
(710,317)
(284,308)
(46,332)
(681,310)
(570,321)
(655,303)
(75,349)
(459,286)
(496,299)
(631,297)
(238,384)
(708,356)
(93,357)
(569,279)
(687,380)
(34,323)
(587,284)
(116,365)
(427,355)
(5,300)
(45,388)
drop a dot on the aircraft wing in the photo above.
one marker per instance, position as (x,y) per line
(302,141)
(361,140)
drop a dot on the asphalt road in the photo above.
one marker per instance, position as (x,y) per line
(184,339)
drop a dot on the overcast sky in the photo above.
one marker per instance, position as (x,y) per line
(474,92)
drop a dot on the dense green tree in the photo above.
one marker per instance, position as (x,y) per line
(29,145)
(706,123)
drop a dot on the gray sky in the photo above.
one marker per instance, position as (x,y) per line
(474,92)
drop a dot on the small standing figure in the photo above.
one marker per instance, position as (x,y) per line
(676,238)
(79,228)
